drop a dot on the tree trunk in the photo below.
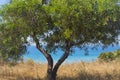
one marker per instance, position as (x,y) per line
(51,76)
(52,71)
(49,68)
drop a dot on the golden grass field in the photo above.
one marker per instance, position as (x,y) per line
(69,71)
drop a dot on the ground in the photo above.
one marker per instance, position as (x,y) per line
(69,71)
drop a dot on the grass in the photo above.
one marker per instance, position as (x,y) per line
(70,71)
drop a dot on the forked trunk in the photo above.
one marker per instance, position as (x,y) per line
(52,71)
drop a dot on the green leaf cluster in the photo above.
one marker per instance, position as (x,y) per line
(109,56)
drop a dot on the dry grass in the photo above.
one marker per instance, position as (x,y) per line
(74,71)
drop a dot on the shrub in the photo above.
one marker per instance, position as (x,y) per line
(109,56)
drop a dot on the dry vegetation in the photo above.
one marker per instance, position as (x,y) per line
(74,71)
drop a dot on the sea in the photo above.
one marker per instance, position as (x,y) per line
(76,56)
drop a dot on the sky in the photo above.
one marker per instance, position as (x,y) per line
(2,2)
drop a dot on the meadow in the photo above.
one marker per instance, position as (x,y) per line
(97,70)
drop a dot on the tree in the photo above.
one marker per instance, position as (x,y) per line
(60,25)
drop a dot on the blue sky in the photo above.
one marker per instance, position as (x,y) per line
(2,2)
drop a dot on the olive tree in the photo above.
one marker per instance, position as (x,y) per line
(60,25)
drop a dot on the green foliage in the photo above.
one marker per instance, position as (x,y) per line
(88,21)
(117,54)
(77,21)
(106,56)
(11,48)
(109,56)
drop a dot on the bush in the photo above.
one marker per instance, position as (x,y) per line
(109,56)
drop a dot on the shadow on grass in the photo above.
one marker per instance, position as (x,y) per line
(81,76)
(96,76)
(28,78)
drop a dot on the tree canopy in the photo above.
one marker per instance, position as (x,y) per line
(61,24)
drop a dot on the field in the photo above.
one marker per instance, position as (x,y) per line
(69,71)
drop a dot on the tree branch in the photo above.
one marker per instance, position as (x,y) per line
(45,1)
(44,52)
(64,56)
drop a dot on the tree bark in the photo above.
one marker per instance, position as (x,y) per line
(62,59)
(47,56)
(53,74)
(52,71)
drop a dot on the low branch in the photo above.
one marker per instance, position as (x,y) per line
(44,52)
(62,59)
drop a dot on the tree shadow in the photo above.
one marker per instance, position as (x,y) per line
(87,76)
(28,78)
